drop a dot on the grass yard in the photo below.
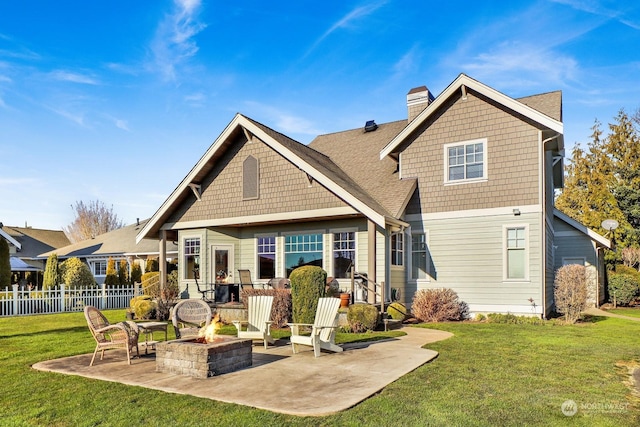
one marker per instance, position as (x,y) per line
(487,375)
(626,311)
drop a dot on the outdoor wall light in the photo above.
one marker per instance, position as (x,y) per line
(516,212)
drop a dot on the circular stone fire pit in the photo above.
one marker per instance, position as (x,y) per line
(203,360)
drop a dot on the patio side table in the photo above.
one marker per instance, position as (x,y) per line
(148,328)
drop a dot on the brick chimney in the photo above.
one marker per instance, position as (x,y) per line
(417,100)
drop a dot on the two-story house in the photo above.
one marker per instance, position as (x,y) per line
(458,195)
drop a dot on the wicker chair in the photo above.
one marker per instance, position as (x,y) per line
(120,335)
(189,316)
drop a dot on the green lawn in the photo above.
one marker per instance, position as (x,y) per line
(487,374)
(627,311)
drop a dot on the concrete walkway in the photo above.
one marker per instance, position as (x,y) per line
(597,312)
(278,381)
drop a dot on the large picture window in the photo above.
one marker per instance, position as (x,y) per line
(465,161)
(419,256)
(516,247)
(397,249)
(191,257)
(344,254)
(266,257)
(302,249)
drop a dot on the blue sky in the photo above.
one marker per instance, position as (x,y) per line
(116,101)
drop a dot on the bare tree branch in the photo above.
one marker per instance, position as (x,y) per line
(92,219)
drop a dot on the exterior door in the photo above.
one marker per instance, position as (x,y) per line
(222,263)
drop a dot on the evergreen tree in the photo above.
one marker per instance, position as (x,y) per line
(76,273)
(123,272)
(136,273)
(112,274)
(604,182)
(51,272)
(5,264)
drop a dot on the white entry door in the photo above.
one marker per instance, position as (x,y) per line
(222,263)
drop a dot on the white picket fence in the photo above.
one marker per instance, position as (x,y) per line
(16,302)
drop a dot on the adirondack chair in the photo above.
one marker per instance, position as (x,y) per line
(323,329)
(189,316)
(121,335)
(259,323)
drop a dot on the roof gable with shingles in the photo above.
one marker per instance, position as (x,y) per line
(356,153)
(34,241)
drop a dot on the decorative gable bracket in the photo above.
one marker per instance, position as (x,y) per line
(196,188)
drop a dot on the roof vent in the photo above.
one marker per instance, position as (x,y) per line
(370,126)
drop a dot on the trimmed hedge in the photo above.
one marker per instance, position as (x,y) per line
(307,286)
(397,311)
(281,309)
(625,287)
(362,317)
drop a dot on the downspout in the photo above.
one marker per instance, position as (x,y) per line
(543,219)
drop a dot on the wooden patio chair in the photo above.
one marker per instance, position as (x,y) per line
(245,280)
(119,335)
(189,316)
(323,329)
(258,325)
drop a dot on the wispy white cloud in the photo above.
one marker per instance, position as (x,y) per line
(122,124)
(615,10)
(284,121)
(174,39)
(5,79)
(74,117)
(407,64)
(527,61)
(69,76)
(195,99)
(16,181)
(347,20)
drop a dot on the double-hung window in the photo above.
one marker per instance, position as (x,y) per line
(516,252)
(100,268)
(266,257)
(397,249)
(344,253)
(465,161)
(191,257)
(419,256)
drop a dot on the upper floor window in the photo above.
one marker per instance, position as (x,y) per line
(192,258)
(397,249)
(466,161)
(344,253)
(250,178)
(266,257)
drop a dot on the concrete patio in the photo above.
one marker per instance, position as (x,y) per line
(278,381)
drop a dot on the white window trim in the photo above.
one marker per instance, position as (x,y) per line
(331,241)
(181,258)
(404,251)
(300,232)
(485,162)
(505,256)
(410,258)
(276,253)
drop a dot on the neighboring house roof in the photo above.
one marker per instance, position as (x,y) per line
(10,239)
(317,165)
(34,241)
(19,265)
(464,83)
(598,238)
(114,243)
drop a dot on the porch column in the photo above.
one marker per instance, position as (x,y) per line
(162,260)
(371,250)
